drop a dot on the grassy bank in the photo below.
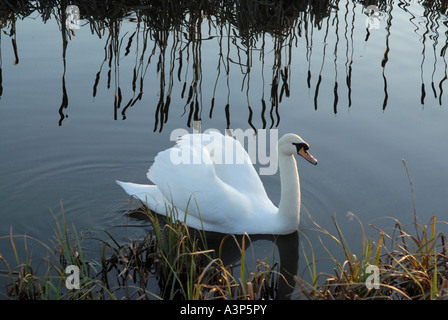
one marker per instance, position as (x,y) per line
(171,262)
(397,265)
(174,262)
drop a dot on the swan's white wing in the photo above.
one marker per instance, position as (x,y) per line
(187,176)
(232,163)
(145,193)
(151,196)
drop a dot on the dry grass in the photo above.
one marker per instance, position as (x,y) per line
(170,262)
(173,262)
(410,265)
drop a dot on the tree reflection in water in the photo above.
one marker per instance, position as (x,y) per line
(171,34)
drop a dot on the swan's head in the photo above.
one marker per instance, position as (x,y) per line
(291,144)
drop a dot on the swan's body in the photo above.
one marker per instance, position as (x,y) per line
(227,198)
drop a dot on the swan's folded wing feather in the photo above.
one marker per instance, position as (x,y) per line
(240,174)
(232,164)
(195,188)
(149,195)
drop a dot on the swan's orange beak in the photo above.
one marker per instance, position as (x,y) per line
(304,153)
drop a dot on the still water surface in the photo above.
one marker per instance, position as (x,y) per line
(81,108)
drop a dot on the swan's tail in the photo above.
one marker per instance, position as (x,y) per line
(150,195)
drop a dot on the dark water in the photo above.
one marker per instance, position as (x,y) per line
(81,108)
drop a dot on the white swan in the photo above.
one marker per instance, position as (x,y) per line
(226,198)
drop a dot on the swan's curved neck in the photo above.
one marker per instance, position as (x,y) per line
(289,207)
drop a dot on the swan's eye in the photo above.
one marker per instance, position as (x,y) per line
(300,146)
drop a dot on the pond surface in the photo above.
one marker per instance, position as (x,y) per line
(82,107)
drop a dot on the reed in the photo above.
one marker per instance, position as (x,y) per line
(410,265)
(188,269)
(45,280)
(172,261)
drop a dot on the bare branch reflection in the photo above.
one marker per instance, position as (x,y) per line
(256,45)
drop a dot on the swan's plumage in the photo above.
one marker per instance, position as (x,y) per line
(196,178)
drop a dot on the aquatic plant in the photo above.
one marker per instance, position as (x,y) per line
(173,261)
(408,265)
(171,254)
